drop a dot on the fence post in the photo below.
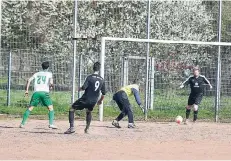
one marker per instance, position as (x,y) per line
(80,74)
(125,71)
(152,83)
(9,79)
(74,51)
(218,84)
(147,59)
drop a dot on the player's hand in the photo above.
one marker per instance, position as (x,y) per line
(99,102)
(26,94)
(182,86)
(142,108)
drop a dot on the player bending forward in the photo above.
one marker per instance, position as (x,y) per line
(43,82)
(121,98)
(93,85)
(196,83)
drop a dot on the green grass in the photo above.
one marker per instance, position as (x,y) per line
(166,106)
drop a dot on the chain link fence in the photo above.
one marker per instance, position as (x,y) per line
(34,31)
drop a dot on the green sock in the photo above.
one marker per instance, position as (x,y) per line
(25,116)
(51,117)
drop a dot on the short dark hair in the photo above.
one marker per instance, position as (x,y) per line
(96,66)
(196,68)
(45,65)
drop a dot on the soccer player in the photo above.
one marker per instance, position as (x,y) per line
(121,98)
(43,82)
(93,85)
(196,83)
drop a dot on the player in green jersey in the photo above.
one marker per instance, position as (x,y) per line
(43,82)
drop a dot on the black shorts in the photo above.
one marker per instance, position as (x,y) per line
(195,99)
(82,103)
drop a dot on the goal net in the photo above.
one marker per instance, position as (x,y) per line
(160,72)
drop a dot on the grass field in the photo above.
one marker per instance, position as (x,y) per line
(166,106)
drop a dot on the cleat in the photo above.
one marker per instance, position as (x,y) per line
(86,131)
(21,126)
(70,130)
(53,127)
(186,122)
(116,124)
(131,126)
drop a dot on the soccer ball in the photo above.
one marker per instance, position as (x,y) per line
(179,119)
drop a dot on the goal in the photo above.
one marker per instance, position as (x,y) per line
(149,67)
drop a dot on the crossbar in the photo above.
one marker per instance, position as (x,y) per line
(166,41)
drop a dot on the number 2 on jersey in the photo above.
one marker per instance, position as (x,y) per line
(43,78)
(97,85)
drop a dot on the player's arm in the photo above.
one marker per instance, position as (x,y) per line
(206,81)
(51,83)
(28,84)
(185,83)
(103,93)
(85,85)
(137,98)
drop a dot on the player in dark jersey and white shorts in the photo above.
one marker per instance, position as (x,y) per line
(93,86)
(196,83)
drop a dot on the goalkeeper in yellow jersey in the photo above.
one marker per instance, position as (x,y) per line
(121,98)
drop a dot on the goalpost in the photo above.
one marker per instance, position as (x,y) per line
(102,61)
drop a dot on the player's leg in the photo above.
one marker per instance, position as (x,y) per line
(117,99)
(88,118)
(188,107)
(71,118)
(46,101)
(198,100)
(122,114)
(130,116)
(195,112)
(126,106)
(51,116)
(77,105)
(25,116)
(35,99)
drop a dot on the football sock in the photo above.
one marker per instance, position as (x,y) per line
(51,115)
(187,113)
(195,115)
(71,118)
(25,116)
(88,119)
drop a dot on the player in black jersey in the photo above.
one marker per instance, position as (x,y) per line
(93,85)
(196,83)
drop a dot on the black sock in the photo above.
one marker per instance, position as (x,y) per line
(71,118)
(187,113)
(195,115)
(88,119)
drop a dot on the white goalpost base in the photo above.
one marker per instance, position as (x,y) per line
(102,58)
